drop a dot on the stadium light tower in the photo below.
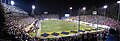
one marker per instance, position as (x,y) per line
(105,7)
(79,20)
(33,9)
(70,11)
(12,2)
(118,10)
(83,9)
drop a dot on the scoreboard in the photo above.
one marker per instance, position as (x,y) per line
(67,15)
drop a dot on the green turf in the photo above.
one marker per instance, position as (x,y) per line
(60,25)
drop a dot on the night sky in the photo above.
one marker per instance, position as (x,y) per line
(60,6)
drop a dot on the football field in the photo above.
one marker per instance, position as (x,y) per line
(61,25)
(58,26)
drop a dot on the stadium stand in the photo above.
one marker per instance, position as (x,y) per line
(18,22)
(10,8)
(97,19)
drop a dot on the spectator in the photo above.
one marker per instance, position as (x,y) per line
(112,35)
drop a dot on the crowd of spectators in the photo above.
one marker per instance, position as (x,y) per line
(10,8)
(110,35)
(17,20)
(97,19)
(17,24)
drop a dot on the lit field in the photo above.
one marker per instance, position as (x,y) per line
(50,26)
(60,25)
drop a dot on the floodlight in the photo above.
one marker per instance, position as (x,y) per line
(105,6)
(12,2)
(33,6)
(118,1)
(84,8)
(70,7)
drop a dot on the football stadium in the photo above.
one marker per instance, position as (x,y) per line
(90,23)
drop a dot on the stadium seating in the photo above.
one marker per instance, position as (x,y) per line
(97,19)
(16,21)
(10,8)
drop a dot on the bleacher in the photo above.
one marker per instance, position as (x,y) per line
(17,21)
(10,8)
(97,19)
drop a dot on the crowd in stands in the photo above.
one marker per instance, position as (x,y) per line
(111,35)
(10,8)
(18,24)
(17,21)
(97,19)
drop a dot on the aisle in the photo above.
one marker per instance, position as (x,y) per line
(39,30)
